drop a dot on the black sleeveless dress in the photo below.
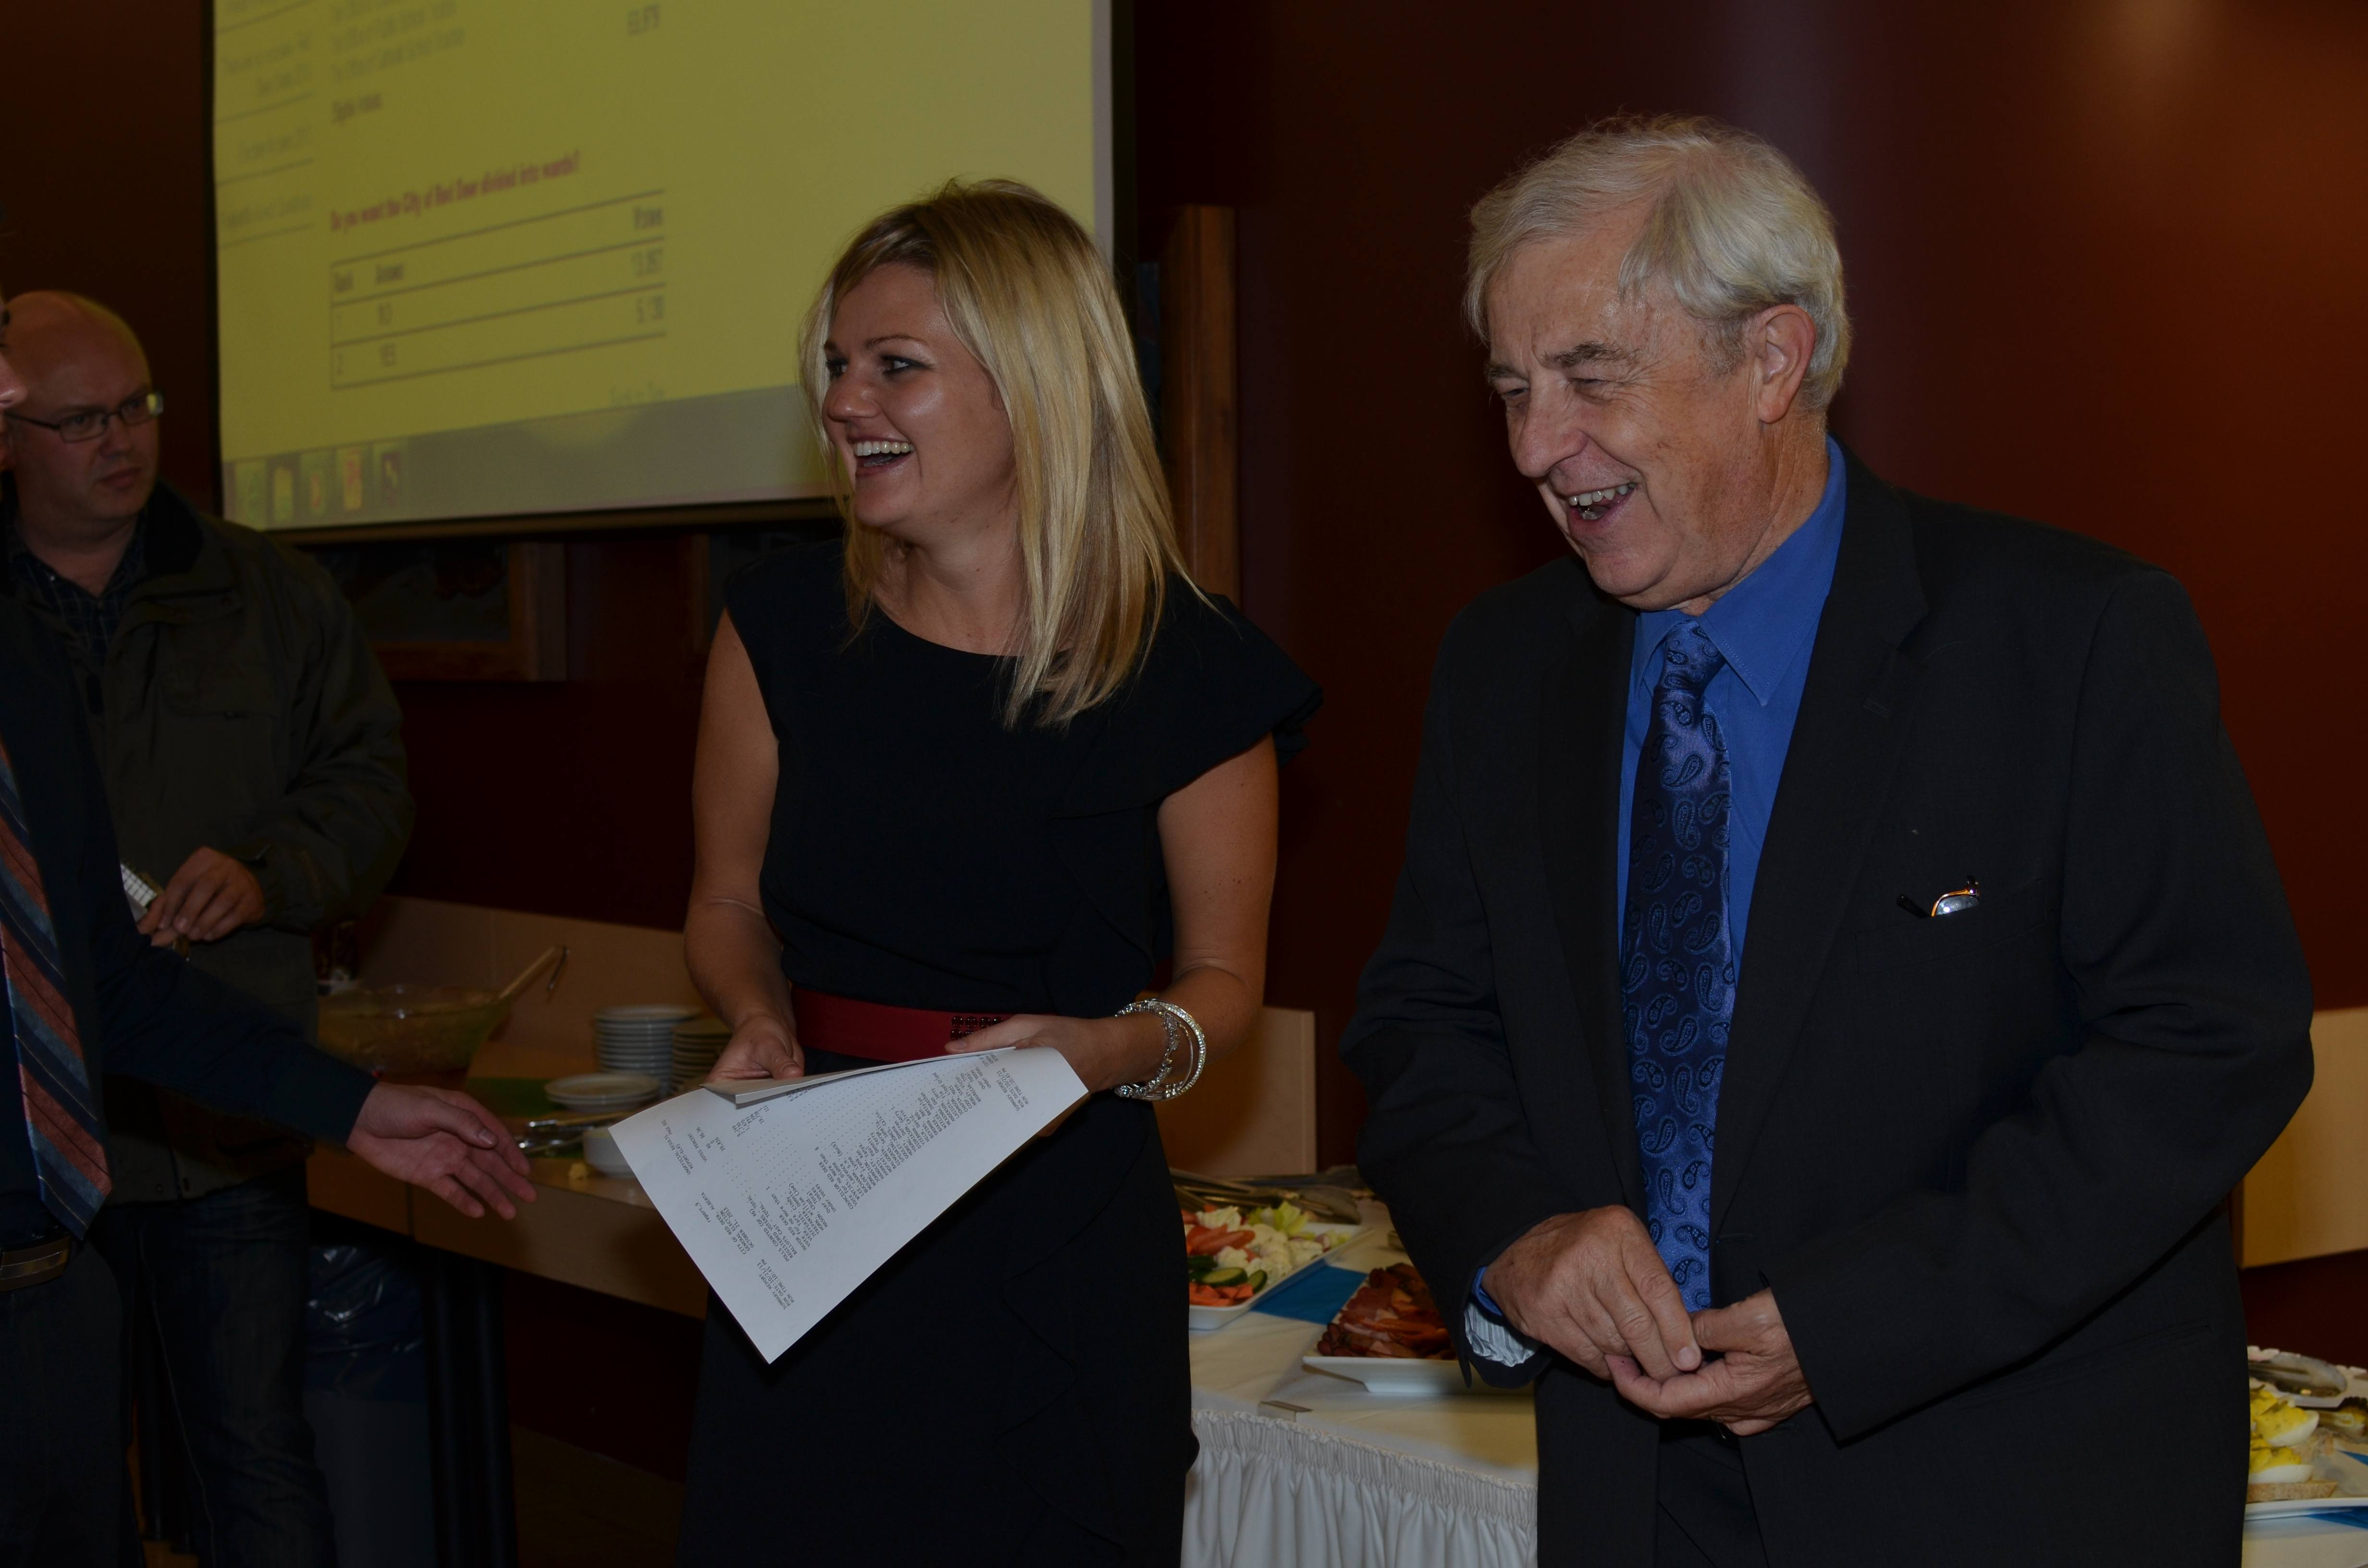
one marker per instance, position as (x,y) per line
(1014,1387)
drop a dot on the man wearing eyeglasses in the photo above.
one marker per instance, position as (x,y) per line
(255,774)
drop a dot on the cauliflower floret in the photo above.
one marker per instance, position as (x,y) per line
(1234,1258)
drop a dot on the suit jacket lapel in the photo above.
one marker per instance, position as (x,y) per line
(1583,713)
(1855,715)
(39,714)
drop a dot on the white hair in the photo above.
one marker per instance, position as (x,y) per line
(1732,228)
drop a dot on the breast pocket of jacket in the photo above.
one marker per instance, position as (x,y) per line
(228,688)
(1967,1001)
(2002,925)
(223,734)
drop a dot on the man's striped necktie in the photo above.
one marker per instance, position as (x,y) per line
(61,1110)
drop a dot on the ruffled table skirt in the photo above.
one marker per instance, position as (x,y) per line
(1272,1494)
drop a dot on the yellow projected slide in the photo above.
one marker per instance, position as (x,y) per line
(484,256)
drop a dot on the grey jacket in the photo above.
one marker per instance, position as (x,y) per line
(241,708)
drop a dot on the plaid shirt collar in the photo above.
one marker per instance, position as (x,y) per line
(88,620)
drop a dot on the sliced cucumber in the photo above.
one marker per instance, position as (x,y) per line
(1257,1280)
(1196,1264)
(1226,1277)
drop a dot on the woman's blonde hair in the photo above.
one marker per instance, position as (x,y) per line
(1027,294)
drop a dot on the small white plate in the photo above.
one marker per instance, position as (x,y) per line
(1390,1375)
(1203,1319)
(602,1091)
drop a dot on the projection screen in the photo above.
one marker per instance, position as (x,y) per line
(495,258)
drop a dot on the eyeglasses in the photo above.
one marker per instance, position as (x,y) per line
(91,423)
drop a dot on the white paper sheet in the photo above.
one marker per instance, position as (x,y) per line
(787,1206)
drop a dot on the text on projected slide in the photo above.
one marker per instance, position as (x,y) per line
(552,284)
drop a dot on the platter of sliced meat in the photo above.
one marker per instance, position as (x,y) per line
(1390,1337)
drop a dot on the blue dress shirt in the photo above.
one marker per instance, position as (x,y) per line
(1765,626)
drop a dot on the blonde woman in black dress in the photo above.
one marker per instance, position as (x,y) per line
(965,779)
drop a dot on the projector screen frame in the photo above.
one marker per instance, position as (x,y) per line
(711,519)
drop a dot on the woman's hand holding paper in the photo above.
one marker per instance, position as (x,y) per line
(762,1046)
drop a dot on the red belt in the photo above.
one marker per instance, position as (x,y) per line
(876,1031)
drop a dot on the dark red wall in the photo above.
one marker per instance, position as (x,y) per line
(103,177)
(2105,261)
(2105,258)
(573,797)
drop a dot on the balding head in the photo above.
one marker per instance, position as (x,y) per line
(50,326)
(77,357)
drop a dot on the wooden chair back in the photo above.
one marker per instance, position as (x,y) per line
(1253,1113)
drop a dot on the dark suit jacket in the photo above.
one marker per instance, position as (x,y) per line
(139,1010)
(1979,1158)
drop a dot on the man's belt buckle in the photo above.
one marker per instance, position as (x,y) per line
(35,1264)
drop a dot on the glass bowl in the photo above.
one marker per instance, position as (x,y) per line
(404,1030)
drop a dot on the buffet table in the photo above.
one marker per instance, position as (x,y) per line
(1302,1467)
(1347,1477)
(2319,1540)
(1298,1469)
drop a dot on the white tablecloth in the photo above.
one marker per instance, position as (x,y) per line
(1358,1479)
(1362,1480)
(2321,1541)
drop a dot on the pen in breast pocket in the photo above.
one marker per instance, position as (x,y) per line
(1956,901)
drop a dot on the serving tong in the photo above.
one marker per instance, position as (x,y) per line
(1326,1195)
(545,1133)
(2303,1379)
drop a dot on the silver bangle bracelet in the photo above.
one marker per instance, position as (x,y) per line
(1150,1087)
(1156,1086)
(1199,1048)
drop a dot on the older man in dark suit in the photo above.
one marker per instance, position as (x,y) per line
(1894,1235)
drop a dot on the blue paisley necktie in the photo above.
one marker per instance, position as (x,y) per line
(1677,954)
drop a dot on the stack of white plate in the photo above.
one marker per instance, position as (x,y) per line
(618,1092)
(638,1039)
(697,1043)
